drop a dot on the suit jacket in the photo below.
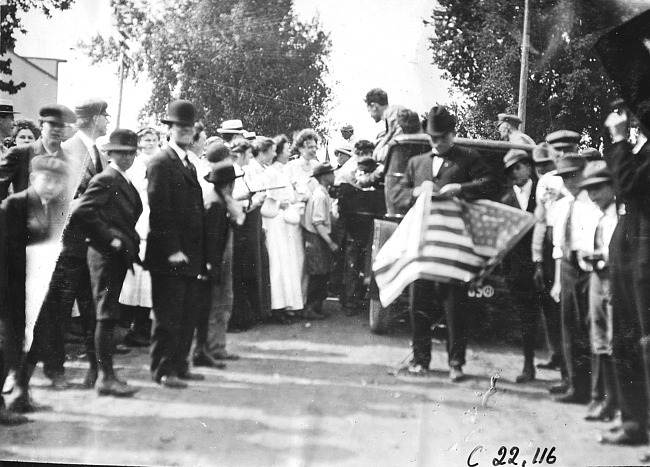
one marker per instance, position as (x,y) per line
(78,156)
(14,166)
(217,227)
(176,218)
(108,209)
(519,262)
(461,165)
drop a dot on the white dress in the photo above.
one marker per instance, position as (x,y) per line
(284,243)
(136,290)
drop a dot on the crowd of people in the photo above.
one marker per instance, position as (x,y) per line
(184,237)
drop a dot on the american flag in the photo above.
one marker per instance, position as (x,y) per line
(447,240)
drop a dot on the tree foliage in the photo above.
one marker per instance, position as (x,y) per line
(10,24)
(477,43)
(247,59)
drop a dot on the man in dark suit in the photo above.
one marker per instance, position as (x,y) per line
(175,252)
(14,165)
(452,171)
(33,216)
(107,213)
(518,265)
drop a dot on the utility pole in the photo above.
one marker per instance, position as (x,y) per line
(122,60)
(523,75)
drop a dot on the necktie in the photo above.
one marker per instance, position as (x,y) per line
(97,160)
(190,166)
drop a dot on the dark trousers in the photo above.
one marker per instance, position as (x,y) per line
(176,301)
(70,281)
(107,273)
(550,308)
(203,317)
(574,304)
(630,281)
(428,301)
(354,290)
(317,291)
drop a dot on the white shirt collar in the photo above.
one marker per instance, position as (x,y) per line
(114,165)
(181,153)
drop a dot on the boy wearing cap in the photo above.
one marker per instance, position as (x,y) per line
(33,216)
(518,264)
(604,397)
(15,164)
(319,246)
(222,213)
(107,213)
(573,239)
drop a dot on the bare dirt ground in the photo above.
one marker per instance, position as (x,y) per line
(314,394)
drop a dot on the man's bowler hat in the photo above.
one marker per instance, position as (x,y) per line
(440,121)
(122,140)
(181,112)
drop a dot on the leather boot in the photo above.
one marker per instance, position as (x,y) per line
(528,374)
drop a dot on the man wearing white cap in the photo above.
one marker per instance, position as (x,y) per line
(6,122)
(508,126)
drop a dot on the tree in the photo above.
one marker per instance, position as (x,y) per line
(477,44)
(10,23)
(247,59)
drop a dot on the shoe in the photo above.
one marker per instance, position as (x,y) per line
(414,372)
(90,379)
(60,382)
(188,376)
(205,360)
(9,418)
(121,349)
(624,438)
(572,397)
(553,364)
(600,412)
(114,387)
(456,374)
(25,404)
(225,356)
(133,339)
(561,388)
(172,382)
(527,375)
(311,314)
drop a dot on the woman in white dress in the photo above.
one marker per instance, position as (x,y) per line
(136,291)
(283,236)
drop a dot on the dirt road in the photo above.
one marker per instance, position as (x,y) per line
(311,394)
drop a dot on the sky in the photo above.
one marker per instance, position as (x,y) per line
(375,43)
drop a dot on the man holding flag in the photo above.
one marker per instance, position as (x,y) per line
(447,170)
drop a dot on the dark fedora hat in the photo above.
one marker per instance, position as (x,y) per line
(91,107)
(222,173)
(440,121)
(570,164)
(122,140)
(181,112)
(57,113)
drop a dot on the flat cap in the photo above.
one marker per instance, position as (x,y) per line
(91,107)
(571,163)
(322,169)
(49,164)
(543,152)
(509,118)
(347,127)
(596,173)
(591,154)
(513,156)
(57,113)
(563,139)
